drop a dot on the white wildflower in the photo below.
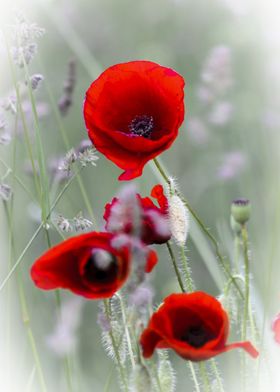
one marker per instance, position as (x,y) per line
(80,223)
(24,36)
(88,156)
(68,160)
(63,224)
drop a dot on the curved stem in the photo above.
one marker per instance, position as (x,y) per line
(224,265)
(177,272)
(188,277)
(206,382)
(196,383)
(37,231)
(247,282)
(129,345)
(115,346)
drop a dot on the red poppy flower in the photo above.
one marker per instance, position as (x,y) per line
(154,226)
(133,112)
(86,264)
(194,325)
(276,328)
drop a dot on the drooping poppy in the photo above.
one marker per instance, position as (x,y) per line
(194,325)
(133,112)
(153,225)
(88,265)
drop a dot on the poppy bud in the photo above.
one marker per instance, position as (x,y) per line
(241,210)
(179,219)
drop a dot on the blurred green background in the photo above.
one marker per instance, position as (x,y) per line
(227,148)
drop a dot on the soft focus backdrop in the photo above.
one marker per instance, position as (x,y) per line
(227,51)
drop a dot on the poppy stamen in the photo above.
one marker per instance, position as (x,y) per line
(196,336)
(142,126)
(101,267)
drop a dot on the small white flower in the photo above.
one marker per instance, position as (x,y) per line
(88,156)
(80,223)
(68,160)
(63,223)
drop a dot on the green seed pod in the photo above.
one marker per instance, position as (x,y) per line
(241,210)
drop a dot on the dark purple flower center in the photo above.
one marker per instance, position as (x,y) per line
(196,336)
(142,126)
(241,202)
(101,267)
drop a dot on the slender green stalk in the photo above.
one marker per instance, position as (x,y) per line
(25,128)
(109,380)
(115,347)
(247,297)
(225,265)
(194,377)
(67,143)
(188,277)
(177,272)
(125,325)
(41,155)
(206,382)
(217,374)
(236,253)
(24,187)
(37,231)
(247,282)
(25,314)
(26,320)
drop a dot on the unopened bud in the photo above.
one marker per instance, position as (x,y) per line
(241,210)
(179,219)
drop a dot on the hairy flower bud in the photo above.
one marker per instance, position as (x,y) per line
(179,219)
